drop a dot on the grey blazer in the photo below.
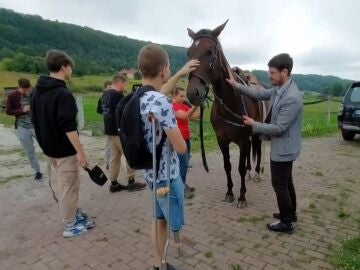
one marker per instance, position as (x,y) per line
(284,128)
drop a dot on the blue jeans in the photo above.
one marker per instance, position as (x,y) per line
(26,137)
(184,161)
(176,204)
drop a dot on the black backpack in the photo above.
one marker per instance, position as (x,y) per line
(132,135)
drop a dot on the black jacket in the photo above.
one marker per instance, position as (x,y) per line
(109,101)
(53,114)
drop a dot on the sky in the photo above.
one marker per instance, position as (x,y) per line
(322,36)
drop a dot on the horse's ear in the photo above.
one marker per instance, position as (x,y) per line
(216,32)
(191,33)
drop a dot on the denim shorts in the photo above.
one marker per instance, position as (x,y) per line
(176,204)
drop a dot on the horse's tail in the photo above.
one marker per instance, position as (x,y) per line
(255,146)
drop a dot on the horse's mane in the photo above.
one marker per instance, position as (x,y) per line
(204,32)
(243,77)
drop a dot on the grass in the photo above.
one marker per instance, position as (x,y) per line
(347,256)
(312,206)
(236,267)
(12,178)
(252,219)
(341,205)
(208,254)
(314,121)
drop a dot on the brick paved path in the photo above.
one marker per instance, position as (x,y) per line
(217,235)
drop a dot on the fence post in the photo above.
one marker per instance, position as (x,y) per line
(328,110)
(80,115)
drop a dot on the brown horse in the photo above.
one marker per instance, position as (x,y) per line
(228,107)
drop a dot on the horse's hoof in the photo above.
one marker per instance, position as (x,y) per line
(257,178)
(241,204)
(229,198)
(249,177)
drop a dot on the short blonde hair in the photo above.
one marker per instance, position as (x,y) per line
(119,77)
(151,60)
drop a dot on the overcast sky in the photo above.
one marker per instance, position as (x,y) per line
(322,36)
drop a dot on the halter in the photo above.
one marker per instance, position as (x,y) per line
(206,81)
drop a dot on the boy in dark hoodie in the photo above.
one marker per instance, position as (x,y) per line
(54,117)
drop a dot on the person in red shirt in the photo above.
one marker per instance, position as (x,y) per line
(184,112)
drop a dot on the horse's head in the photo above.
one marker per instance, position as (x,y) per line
(206,48)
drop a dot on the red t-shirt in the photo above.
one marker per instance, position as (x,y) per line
(183,124)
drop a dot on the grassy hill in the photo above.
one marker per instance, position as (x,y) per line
(309,82)
(24,39)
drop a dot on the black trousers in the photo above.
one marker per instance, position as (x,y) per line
(282,182)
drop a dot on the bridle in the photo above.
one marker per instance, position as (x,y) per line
(206,81)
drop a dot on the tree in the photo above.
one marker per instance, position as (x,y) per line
(337,89)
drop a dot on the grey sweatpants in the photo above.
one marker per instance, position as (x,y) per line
(26,137)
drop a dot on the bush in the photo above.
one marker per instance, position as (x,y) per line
(25,63)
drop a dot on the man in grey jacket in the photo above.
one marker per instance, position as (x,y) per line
(283,126)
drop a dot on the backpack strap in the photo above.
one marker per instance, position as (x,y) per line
(159,148)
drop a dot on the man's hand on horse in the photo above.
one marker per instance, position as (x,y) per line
(189,67)
(248,121)
(231,79)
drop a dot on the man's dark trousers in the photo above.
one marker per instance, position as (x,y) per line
(282,182)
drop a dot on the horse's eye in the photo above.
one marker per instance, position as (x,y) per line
(209,53)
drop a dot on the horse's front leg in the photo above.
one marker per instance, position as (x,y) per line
(242,170)
(224,147)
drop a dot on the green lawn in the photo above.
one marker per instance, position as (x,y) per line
(89,87)
(347,256)
(314,122)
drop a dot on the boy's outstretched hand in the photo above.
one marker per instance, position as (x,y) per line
(189,67)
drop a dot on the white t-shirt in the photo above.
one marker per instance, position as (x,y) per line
(161,108)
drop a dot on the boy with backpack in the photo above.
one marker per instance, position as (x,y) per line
(107,86)
(153,62)
(110,100)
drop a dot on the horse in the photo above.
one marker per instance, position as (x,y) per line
(228,107)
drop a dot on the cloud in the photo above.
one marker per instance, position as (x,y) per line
(322,36)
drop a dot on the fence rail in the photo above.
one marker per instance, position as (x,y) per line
(328,100)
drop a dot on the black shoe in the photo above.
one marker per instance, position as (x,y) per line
(280,227)
(135,186)
(188,194)
(117,187)
(168,267)
(191,189)
(293,219)
(38,176)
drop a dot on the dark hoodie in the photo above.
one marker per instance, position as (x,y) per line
(53,114)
